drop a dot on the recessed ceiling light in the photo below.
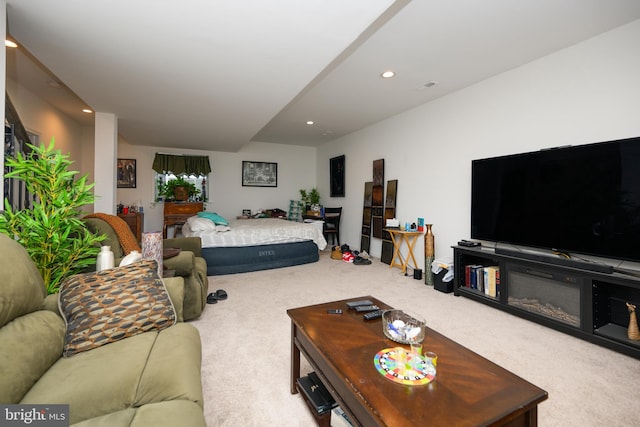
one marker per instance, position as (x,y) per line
(387,74)
(310,122)
(87,110)
(10,43)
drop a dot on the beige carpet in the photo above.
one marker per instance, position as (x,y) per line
(246,346)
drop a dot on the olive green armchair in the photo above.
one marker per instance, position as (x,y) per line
(188,263)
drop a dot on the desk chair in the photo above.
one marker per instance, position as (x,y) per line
(332,224)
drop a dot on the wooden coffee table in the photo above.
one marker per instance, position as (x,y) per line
(469,390)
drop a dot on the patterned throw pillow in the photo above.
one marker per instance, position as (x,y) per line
(104,307)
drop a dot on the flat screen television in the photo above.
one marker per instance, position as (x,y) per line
(580,199)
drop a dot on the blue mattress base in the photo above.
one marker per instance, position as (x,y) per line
(241,259)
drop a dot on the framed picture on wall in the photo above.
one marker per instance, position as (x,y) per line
(259,174)
(126,173)
(336,176)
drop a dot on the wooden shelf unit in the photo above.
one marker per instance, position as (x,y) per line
(135,221)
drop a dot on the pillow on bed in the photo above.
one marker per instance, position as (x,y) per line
(217,219)
(200,224)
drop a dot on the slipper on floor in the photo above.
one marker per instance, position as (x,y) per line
(361,261)
(221,294)
(212,299)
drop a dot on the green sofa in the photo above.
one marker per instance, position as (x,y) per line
(188,264)
(148,379)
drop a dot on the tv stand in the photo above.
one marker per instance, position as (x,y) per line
(587,304)
(567,262)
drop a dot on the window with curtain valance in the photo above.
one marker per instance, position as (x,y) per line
(181,165)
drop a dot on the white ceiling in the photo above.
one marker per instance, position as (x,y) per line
(216,74)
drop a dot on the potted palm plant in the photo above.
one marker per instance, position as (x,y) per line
(52,231)
(311,200)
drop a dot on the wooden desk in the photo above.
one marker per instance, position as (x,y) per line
(398,237)
(177,213)
(469,390)
(135,221)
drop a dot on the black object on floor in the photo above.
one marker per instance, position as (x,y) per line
(216,296)
(361,261)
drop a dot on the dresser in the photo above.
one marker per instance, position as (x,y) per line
(177,213)
(135,221)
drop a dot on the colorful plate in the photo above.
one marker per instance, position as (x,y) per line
(401,366)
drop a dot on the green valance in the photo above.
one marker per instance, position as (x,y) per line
(180,165)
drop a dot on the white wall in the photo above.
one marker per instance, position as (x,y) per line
(227,196)
(41,118)
(587,93)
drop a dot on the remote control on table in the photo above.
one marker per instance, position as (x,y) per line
(354,304)
(373,315)
(362,308)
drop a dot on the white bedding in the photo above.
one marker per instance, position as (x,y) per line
(259,231)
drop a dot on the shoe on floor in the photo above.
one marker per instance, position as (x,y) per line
(361,261)
(216,296)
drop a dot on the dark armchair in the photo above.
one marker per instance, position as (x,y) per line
(188,264)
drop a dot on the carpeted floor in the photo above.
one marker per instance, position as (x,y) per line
(246,346)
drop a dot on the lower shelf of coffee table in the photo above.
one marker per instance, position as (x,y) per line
(324,419)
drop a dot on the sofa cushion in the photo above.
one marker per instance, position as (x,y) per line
(151,367)
(22,290)
(107,306)
(162,379)
(192,244)
(98,227)
(29,346)
(163,414)
(183,263)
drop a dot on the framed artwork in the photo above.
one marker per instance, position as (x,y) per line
(336,176)
(126,173)
(259,174)
(377,203)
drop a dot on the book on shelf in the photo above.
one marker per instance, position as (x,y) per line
(491,276)
(339,418)
(467,276)
(316,393)
(479,274)
(472,271)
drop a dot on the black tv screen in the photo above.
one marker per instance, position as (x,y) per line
(583,199)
